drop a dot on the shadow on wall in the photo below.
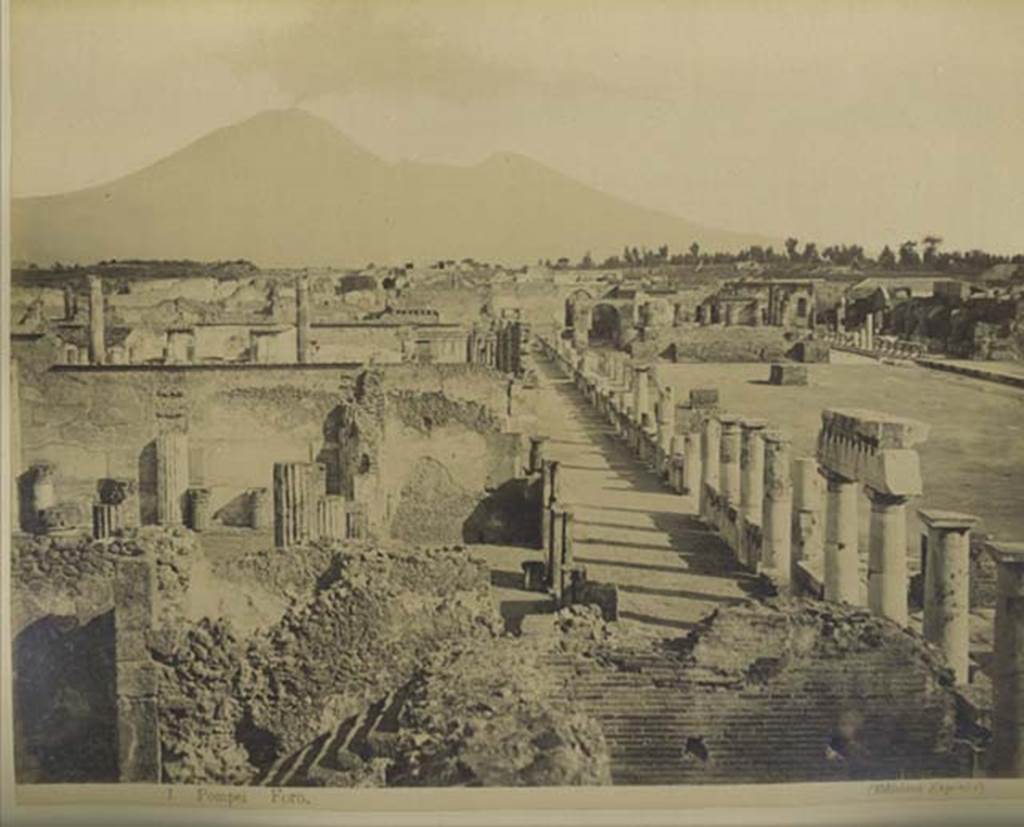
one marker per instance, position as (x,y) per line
(506,516)
(65,708)
(236,512)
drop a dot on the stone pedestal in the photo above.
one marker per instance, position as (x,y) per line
(1006,752)
(136,677)
(295,499)
(172,473)
(775,517)
(887,556)
(947,585)
(842,562)
(710,453)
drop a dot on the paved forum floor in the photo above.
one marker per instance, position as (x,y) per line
(629,528)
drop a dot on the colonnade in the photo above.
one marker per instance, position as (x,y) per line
(795,519)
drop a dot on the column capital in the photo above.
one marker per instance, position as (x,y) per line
(728,421)
(833,478)
(1007,554)
(774,436)
(884,498)
(946,520)
(753,424)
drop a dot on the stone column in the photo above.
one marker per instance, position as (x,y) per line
(295,498)
(302,321)
(136,677)
(172,474)
(97,328)
(641,399)
(356,527)
(775,514)
(198,508)
(709,459)
(729,478)
(692,467)
(842,561)
(1006,752)
(107,520)
(330,515)
(666,425)
(887,556)
(536,462)
(751,480)
(808,525)
(869,331)
(946,585)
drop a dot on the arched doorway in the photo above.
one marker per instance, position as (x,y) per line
(605,325)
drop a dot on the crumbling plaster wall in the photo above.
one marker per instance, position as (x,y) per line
(95,424)
(420,461)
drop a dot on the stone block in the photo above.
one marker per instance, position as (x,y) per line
(131,644)
(603,595)
(137,679)
(138,740)
(117,491)
(877,429)
(787,374)
(65,516)
(704,397)
(811,351)
(134,593)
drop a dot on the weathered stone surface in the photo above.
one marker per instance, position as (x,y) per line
(704,397)
(134,593)
(138,740)
(787,374)
(947,590)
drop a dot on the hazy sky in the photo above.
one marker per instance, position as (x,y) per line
(839,121)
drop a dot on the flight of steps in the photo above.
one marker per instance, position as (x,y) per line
(326,751)
(639,705)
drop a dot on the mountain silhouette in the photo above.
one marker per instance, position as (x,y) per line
(285,188)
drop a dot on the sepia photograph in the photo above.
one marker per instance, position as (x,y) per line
(586,405)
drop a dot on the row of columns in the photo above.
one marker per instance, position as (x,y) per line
(782,506)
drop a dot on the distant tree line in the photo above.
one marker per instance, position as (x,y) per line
(911,254)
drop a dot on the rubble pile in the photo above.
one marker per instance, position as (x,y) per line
(494,716)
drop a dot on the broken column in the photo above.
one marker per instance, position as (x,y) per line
(330,515)
(261,513)
(775,512)
(198,501)
(710,452)
(751,481)
(666,425)
(560,549)
(295,499)
(97,328)
(138,727)
(302,320)
(172,475)
(117,509)
(946,585)
(808,524)
(1006,752)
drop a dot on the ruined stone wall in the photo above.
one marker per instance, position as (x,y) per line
(96,424)
(427,466)
(698,343)
(358,343)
